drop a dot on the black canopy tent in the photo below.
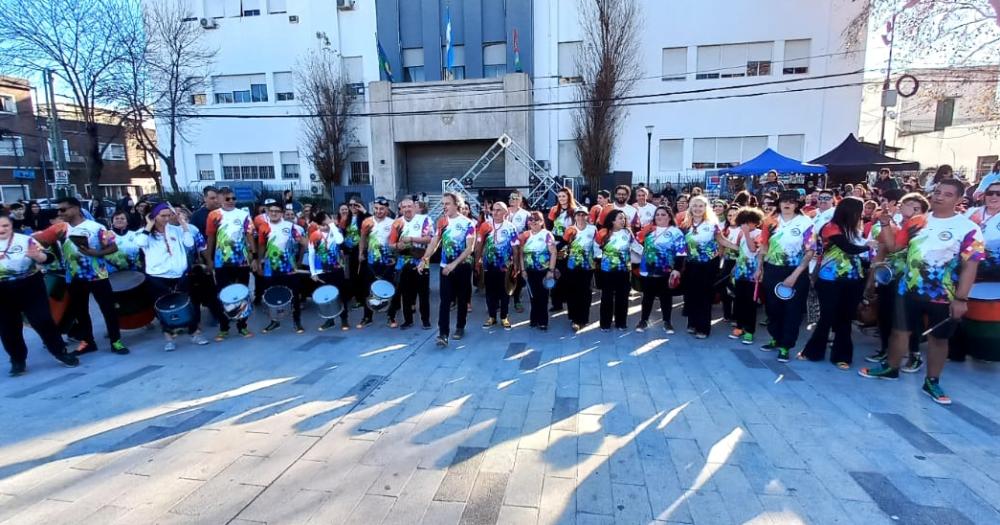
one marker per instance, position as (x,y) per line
(851,161)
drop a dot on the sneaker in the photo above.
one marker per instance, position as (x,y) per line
(246,333)
(543,327)
(170,346)
(84,348)
(221,336)
(736,333)
(442,341)
(426,326)
(701,336)
(878,357)
(576,327)
(18,369)
(392,323)
(364,323)
(642,326)
(770,346)
(882,372)
(746,338)
(913,364)
(933,389)
(345,327)
(783,355)
(406,325)
(68,360)
(489,323)
(669,329)
(272,326)
(299,329)
(459,333)
(118,347)
(328,324)
(505,323)
(690,330)
(519,308)
(198,339)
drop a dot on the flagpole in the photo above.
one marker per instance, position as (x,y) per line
(885,85)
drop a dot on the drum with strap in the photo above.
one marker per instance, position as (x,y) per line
(235,300)
(327,300)
(132,302)
(278,300)
(55,285)
(380,295)
(979,331)
(175,311)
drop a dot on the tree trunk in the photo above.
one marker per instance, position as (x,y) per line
(95,164)
(172,173)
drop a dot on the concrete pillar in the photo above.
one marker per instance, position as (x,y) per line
(384,169)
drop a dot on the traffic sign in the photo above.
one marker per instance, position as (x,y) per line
(24,174)
(61,176)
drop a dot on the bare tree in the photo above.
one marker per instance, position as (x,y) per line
(608,63)
(328,126)
(81,42)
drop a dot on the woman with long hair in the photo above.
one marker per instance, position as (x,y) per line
(615,241)
(561,217)
(663,251)
(787,245)
(731,231)
(943,172)
(839,283)
(350,226)
(538,263)
(701,269)
(579,239)
(748,221)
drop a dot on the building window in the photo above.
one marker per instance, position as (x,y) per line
(283,89)
(13,193)
(276,6)
(249,7)
(457,70)
(206,168)
(413,65)
(725,152)
(708,62)
(569,162)
(112,152)
(242,96)
(796,57)
(258,92)
(944,114)
(674,64)
(734,60)
(7,104)
(360,172)
(494,60)
(251,12)
(224,98)
(247,166)
(11,146)
(198,99)
(289,165)
(671,155)
(568,53)
(791,146)
(235,89)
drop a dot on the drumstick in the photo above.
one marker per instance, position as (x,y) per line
(935,327)
(756,291)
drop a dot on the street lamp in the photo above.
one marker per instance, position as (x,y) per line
(649,147)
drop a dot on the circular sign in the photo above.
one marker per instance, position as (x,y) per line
(907,85)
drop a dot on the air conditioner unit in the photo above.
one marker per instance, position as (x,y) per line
(316,189)
(345,4)
(314,177)
(208,23)
(356,88)
(293,19)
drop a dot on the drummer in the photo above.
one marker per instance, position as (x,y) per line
(84,245)
(127,256)
(495,253)
(230,237)
(380,255)
(456,235)
(20,261)
(201,286)
(165,246)
(278,245)
(325,263)
(411,233)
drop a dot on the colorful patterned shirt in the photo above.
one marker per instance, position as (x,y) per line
(701,244)
(935,249)
(14,261)
(499,242)
(519,219)
(661,246)
(280,241)
(127,256)
(455,232)
(746,259)
(990,226)
(535,247)
(581,247)
(786,243)
(352,232)
(324,251)
(378,251)
(732,234)
(77,265)
(417,227)
(615,249)
(230,230)
(836,264)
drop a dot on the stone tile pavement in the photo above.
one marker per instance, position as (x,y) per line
(521,427)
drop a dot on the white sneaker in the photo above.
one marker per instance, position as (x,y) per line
(170,346)
(199,339)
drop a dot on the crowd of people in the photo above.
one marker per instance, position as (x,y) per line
(809,257)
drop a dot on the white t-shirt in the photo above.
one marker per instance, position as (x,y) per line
(644,214)
(14,260)
(519,218)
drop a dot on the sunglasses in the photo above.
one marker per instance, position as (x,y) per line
(824,198)
(63,210)
(994,193)
(230,199)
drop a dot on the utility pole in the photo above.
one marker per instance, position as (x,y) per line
(55,134)
(887,94)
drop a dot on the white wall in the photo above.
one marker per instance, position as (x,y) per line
(825,117)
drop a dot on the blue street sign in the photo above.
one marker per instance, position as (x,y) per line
(24,174)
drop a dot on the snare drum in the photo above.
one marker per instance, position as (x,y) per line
(133,304)
(278,300)
(235,300)
(979,332)
(55,285)
(380,296)
(883,274)
(175,311)
(327,299)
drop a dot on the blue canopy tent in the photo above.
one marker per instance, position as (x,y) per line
(789,170)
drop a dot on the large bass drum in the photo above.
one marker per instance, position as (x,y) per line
(132,302)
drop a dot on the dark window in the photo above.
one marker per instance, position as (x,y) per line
(198,99)
(945,114)
(251,12)
(494,71)
(241,96)
(258,92)
(289,171)
(359,173)
(413,74)
(758,68)
(224,98)
(703,76)
(285,96)
(457,73)
(231,172)
(795,70)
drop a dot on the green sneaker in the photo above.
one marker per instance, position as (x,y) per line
(882,372)
(770,346)
(746,338)
(877,357)
(221,336)
(245,332)
(783,355)
(933,389)
(119,347)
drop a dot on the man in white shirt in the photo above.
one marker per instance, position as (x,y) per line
(645,210)
(518,215)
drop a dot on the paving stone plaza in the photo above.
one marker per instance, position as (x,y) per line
(379,426)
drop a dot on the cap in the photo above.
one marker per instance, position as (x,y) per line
(382,201)
(269,202)
(289,207)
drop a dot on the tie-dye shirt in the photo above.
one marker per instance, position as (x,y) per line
(378,250)
(14,261)
(499,242)
(732,234)
(786,243)
(230,230)
(581,247)
(324,251)
(990,226)
(77,265)
(701,244)
(280,241)
(935,249)
(615,249)
(661,246)
(836,264)
(127,256)
(455,232)
(746,258)
(417,227)
(535,247)
(561,219)
(352,232)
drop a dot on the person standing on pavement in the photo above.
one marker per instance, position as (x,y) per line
(495,256)
(231,245)
(615,241)
(538,264)
(411,233)
(579,240)
(351,227)
(702,233)
(456,236)
(518,216)
(379,257)
(561,217)
(279,243)
(663,251)
(210,196)
(748,221)
(325,262)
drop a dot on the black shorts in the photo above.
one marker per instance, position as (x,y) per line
(916,314)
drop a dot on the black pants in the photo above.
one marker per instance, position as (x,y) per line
(413,286)
(356,288)
(160,286)
(654,288)
(539,314)
(578,295)
(497,300)
(290,281)
(457,287)
(560,292)
(375,272)
(725,289)
(838,303)
(699,294)
(887,299)
(336,278)
(204,293)
(226,275)
(744,306)
(614,298)
(79,306)
(27,296)
(784,317)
